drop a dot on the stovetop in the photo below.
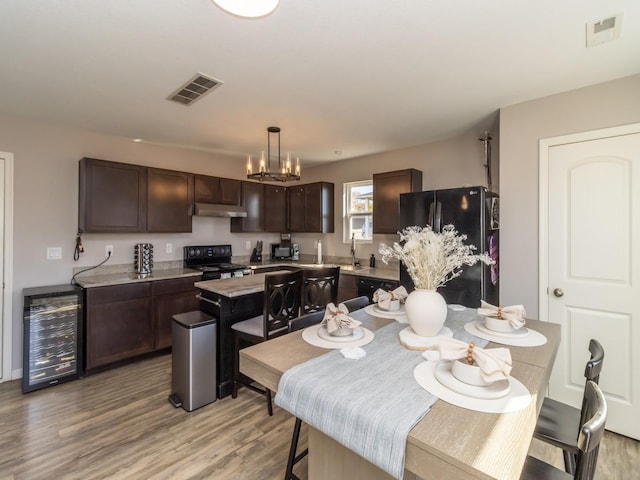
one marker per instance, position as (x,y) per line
(210,258)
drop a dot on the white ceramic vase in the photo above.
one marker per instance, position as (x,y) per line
(426,311)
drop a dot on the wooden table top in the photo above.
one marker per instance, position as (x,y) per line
(450,441)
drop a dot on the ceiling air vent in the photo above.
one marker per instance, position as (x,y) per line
(194,89)
(604,30)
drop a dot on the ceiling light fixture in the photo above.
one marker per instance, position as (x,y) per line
(247,8)
(284,172)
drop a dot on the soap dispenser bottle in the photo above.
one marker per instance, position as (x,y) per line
(372,261)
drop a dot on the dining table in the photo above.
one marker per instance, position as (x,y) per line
(449,441)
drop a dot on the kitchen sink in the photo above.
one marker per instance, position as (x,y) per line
(353,268)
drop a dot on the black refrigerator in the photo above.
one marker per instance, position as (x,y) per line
(52,349)
(473,211)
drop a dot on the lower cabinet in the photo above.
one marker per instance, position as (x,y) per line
(125,321)
(171,297)
(347,287)
(118,323)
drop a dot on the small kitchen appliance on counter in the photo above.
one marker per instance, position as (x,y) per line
(143,258)
(214,261)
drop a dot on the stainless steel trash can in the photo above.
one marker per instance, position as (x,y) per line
(193,362)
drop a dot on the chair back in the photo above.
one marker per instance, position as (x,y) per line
(594,365)
(281,301)
(304,321)
(591,431)
(356,303)
(592,372)
(319,287)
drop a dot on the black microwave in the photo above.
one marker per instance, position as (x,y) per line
(284,251)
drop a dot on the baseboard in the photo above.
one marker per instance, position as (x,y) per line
(16,374)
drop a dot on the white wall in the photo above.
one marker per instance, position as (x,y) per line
(521,127)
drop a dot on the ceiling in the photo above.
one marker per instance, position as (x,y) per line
(356,76)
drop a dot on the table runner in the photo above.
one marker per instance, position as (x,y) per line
(367,405)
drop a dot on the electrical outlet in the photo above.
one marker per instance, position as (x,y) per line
(247,245)
(169,248)
(108,250)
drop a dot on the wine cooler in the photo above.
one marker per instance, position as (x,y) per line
(53,319)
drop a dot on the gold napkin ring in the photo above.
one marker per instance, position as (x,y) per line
(470,353)
(499,313)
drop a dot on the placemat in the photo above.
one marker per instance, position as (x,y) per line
(310,335)
(532,339)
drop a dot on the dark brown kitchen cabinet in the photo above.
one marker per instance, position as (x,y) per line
(275,208)
(225,191)
(253,202)
(170,297)
(311,208)
(113,197)
(387,188)
(118,323)
(169,200)
(347,287)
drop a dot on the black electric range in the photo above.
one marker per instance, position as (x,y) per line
(214,261)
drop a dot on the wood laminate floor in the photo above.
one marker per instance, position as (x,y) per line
(119,425)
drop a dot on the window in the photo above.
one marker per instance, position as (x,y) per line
(358,211)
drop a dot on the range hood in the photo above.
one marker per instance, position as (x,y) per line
(216,210)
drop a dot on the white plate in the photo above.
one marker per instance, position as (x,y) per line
(495,390)
(456,308)
(325,335)
(399,316)
(377,309)
(520,333)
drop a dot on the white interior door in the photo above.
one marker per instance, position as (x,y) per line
(593,288)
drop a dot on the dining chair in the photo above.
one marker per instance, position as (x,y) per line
(281,304)
(588,442)
(319,287)
(558,423)
(356,303)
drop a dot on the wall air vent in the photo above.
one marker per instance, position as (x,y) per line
(604,30)
(197,87)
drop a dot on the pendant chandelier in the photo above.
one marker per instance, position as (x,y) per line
(286,170)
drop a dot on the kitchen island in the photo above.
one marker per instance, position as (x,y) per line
(230,301)
(449,442)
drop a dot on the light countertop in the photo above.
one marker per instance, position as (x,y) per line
(120,278)
(236,286)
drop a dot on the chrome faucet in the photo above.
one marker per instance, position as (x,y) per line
(353,249)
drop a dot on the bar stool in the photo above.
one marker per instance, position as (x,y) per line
(281,304)
(319,287)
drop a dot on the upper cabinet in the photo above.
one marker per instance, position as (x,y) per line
(253,202)
(125,198)
(169,200)
(225,191)
(275,208)
(311,208)
(387,188)
(113,197)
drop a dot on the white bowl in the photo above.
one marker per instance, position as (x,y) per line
(498,325)
(469,374)
(342,332)
(393,306)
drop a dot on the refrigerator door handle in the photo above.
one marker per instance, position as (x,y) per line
(430,217)
(437,226)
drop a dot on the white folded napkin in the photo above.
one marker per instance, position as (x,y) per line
(513,314)
(336,317)
(494,363)
(353,353)
(383,297)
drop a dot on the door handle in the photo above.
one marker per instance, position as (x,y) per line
(558,292)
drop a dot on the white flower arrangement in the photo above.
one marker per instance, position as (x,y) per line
(432,259)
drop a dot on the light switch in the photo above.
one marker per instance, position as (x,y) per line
(169,248)
(247,245)
(54,253)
